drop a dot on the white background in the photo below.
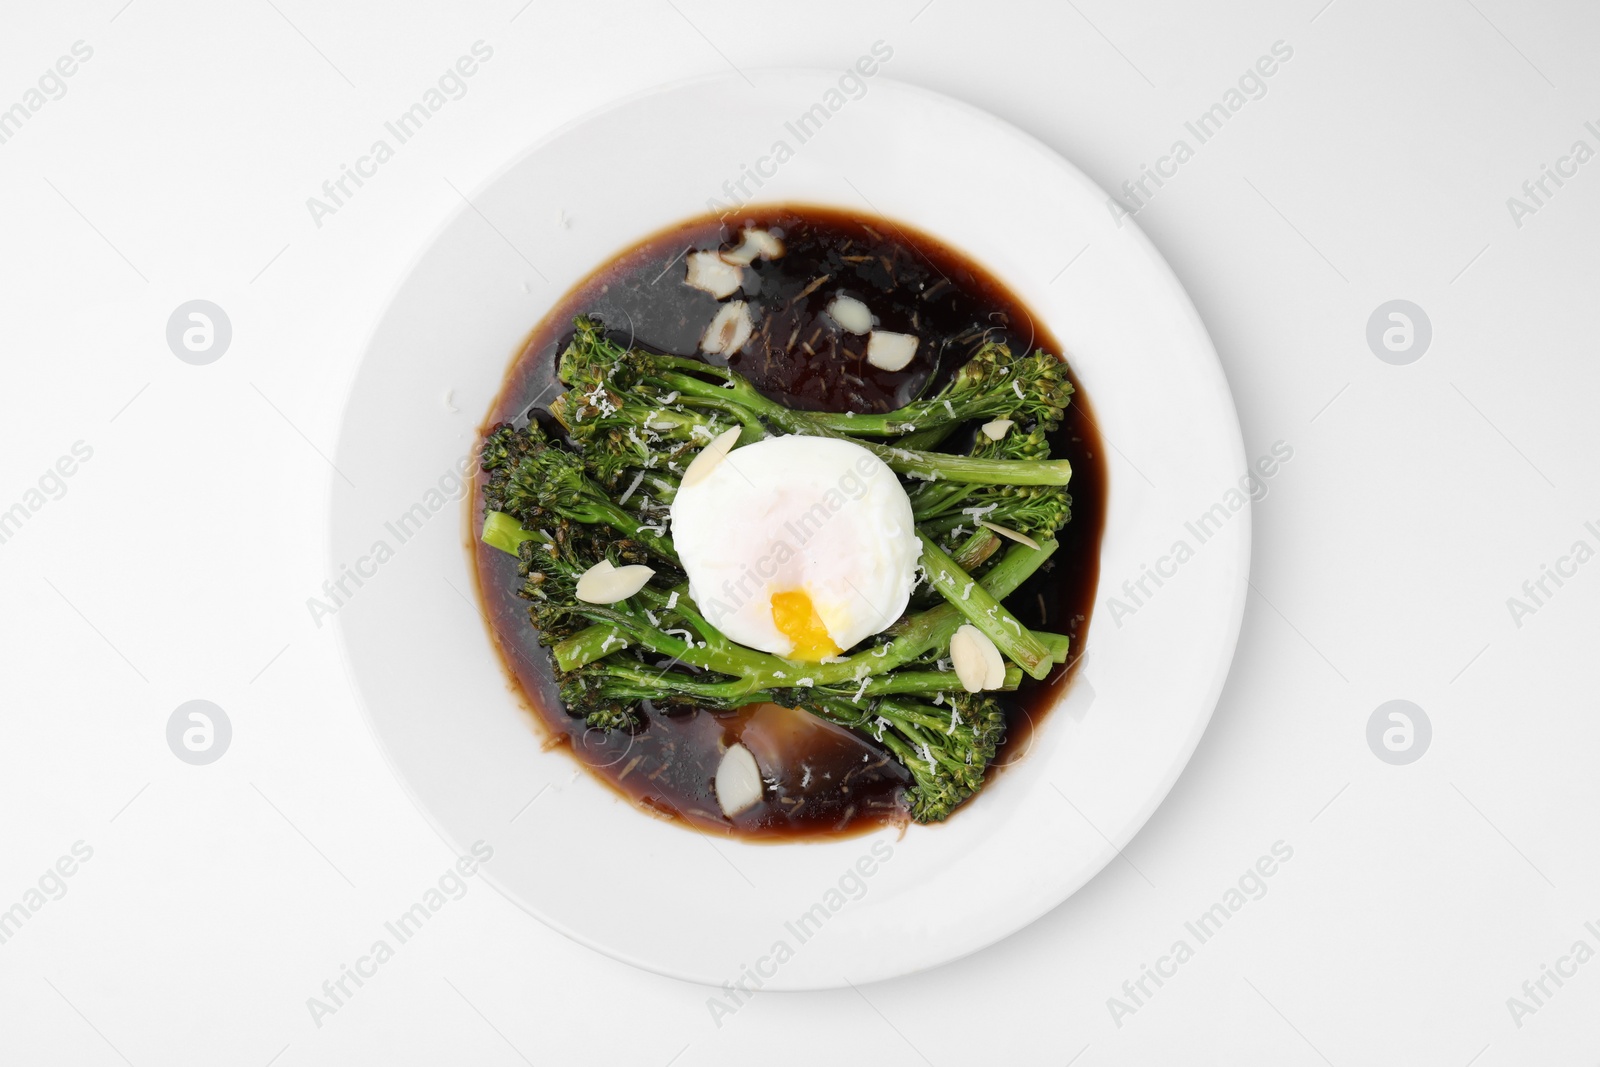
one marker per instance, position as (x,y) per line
(178,562)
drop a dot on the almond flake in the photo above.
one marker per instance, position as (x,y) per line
(607,584)
(976,660)
(729,330)
(997,671)
(710,272)
(752,244)
(738,781)
(997,429)
(767,245)
(711,455)
(851,315)
(891,351)
(1006,531)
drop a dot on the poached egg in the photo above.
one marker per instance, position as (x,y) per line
(797,546)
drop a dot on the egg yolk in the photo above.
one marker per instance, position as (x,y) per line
(796,618)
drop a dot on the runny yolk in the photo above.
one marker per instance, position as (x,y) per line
(796,618)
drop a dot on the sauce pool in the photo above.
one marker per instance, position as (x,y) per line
(822,780)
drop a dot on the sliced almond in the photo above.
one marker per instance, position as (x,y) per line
(976,660)
(1006,531)
(997,671)
(752,244)
(711,455)
(997,429)
(729,330)
(851,315)
(891,351)
(711,272)
(765,243)
(606,584)
(738,781)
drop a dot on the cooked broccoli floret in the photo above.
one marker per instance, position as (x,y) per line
(1034,510)
(587,697)
(621,429)
(505,445)
(537,485)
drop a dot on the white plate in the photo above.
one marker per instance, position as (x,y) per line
(669,899)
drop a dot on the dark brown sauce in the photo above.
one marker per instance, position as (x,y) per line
(829,781)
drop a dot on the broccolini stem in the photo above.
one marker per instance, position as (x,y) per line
(757,671)
(732,694)
(945,524)
(935,498)
(929,683)
(587,645)
(753,430)
(932,466)
(1060,645)
(976,549)
(600,640)
(942,466)
(984,611)
(504,532)
(605,513)
(923,440)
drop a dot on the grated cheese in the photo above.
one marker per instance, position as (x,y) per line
(637,478)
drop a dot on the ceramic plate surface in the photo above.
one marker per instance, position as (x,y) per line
(814,914)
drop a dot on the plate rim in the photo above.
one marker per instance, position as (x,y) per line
(1232,621)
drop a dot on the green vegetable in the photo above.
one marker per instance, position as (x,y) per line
(946,744)
(910,638)
(546,482)
(504,532)
(636,383)
(633,422)
(948,758)
(992,384)
(1060,645)
(1033,510)
(975,551)
(985,611)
